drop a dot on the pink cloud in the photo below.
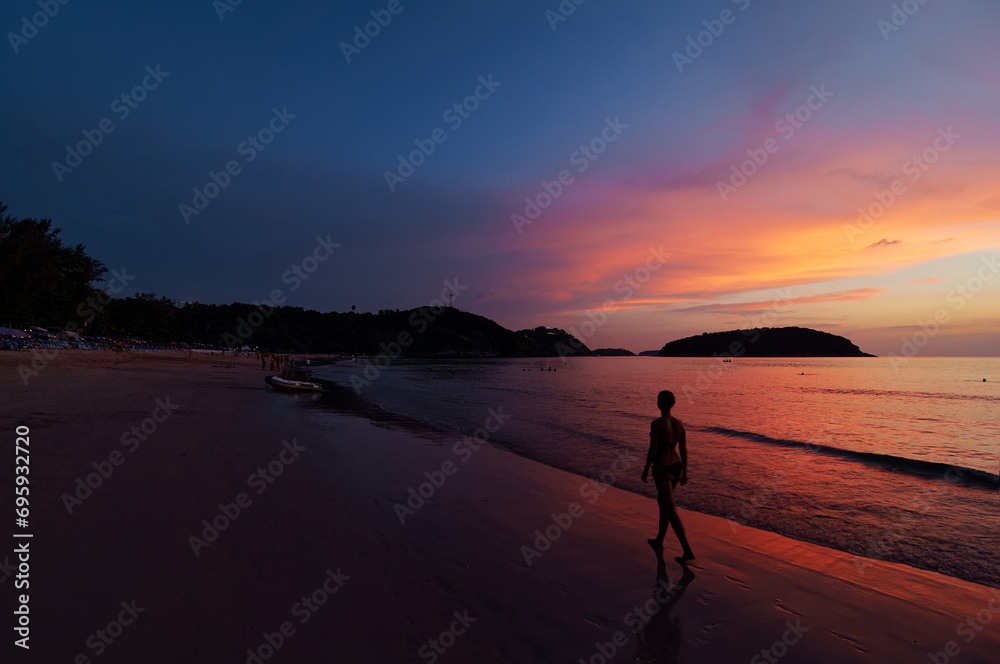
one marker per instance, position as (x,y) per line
(761,306)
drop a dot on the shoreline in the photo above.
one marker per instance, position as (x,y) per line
(921,482)
(329,512)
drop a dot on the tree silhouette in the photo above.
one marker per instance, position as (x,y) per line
(42,281)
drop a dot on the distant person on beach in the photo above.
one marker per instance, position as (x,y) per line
(666,438)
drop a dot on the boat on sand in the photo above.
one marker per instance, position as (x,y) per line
(284,385)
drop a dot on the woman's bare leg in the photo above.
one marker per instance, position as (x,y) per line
(670,517)
(664,499)
(675,520)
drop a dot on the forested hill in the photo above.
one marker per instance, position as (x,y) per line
(764,342)
(48,284)
(422,332)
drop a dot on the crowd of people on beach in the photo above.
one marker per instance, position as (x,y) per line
(281,363)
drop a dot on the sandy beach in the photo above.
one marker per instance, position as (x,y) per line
(228,523)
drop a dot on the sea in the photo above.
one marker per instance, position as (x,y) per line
(887,459)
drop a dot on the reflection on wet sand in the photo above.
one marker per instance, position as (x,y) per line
(661,638)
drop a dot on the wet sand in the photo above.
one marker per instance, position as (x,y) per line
(317,567)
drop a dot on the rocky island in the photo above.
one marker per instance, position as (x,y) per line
(764,342)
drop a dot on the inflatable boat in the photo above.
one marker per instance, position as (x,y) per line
(285,385)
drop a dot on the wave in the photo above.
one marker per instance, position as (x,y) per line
(899,393)
(971,477)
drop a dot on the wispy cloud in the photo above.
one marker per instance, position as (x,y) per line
(883,243)
(761,306)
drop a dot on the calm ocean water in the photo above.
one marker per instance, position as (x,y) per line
(853,454)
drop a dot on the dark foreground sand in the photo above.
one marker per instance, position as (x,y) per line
(454,573)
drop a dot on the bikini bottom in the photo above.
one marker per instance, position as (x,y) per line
(674,469)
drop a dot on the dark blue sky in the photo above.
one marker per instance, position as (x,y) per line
(324,174)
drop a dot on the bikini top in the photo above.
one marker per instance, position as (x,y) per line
(666,454)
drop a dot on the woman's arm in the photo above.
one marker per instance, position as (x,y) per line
(683,448)
(652,451)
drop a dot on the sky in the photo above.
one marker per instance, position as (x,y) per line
(633,171)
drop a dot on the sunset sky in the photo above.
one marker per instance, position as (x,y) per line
(651,113)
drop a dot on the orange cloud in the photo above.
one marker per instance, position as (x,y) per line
(785,227)
(796,223)
(762,306)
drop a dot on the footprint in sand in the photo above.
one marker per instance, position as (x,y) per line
(560,586)
(781,607)
(739,582)
(854,644)
(704,635)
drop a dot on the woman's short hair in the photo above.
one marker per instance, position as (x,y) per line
(665,400)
